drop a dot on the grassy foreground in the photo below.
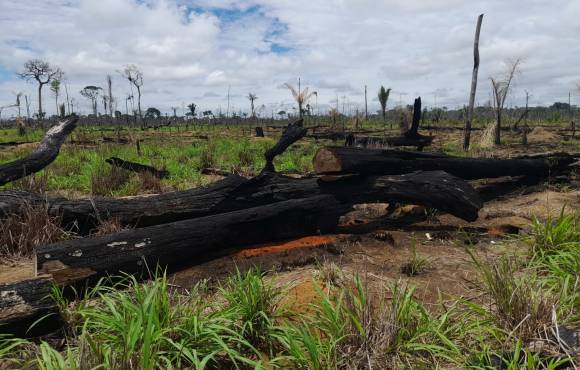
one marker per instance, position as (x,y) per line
(519,320)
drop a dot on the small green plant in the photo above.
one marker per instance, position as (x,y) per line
(416,264)
(555,233)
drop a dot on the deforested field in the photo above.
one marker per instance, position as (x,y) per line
(321,242)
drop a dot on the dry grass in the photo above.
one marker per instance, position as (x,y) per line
(109,226)
(35,183)
(21,233)
(488,136)
(105,180)
(149,183)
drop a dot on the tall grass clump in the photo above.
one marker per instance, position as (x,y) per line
(255,303)
(106,180)
(33,226)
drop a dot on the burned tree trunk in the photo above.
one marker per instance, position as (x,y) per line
(137,167)
(186,242)
(138,211)
(409,138)
(292,133)
(259,131)
(391,162)
(42,156)
(25,302)
(235,193)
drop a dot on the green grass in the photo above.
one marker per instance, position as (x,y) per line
(76,167)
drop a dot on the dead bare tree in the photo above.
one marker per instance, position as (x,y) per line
(135,77)
(469,120)
(501,89)
(43,73)
(110,88)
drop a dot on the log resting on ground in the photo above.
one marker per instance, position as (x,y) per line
(25,302)
(137,167)
(235,193)
(186,242)
(42,156)
(392,162)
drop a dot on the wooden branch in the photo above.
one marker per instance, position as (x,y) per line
(292,133)
(137,167)
(42,156)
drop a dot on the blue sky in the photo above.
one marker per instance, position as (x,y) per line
(197,50)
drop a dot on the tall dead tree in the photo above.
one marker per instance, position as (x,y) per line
(135,77)
(110,88)
(469,120)
(500,90)
(43,73)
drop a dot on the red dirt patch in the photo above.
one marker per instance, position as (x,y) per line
(269,248)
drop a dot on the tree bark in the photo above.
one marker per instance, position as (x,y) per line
(469,120)
(25,302)
(391,162)
(42,156)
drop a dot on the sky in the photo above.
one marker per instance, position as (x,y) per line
(197,50)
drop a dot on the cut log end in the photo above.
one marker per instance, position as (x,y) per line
(325,161)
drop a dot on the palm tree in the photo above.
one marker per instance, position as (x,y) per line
(252,97)
(383,99)
(301,97)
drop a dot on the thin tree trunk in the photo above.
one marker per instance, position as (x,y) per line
(497,140)
(40,101)
(467,131)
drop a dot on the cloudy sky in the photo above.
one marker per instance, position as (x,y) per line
(193,51)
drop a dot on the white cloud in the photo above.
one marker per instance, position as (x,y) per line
(195,49)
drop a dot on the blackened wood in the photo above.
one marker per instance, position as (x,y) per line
(186,242)
(259,132)
(391,162)
(137,167)
(137,211)
(292,133)
(25,302)
(414,130)
(42,156)
(230,194)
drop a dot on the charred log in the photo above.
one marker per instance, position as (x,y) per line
(391,162)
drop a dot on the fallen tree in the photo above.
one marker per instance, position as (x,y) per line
(42,156)
(137,167)
(391,162)
(435,190)
(185,242)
